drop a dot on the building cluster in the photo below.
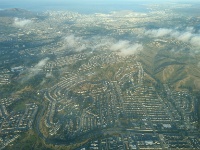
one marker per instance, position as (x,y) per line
(13,123)
(5,76)
(8,101)
(122,100)
(142,141)
(111,104)
(64,61)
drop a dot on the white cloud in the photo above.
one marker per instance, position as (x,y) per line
(127,13)
(120,45)
(37,68)
(75,43)
(71,40)
(195,41)
(98,43)
(158,33)
(184,36)
(125,48)
(21,22)
(133,49)
(41,64)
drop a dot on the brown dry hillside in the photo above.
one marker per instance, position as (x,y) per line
(179,69)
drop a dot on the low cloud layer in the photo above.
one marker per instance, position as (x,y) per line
(127,13)
(184,36)
(159,32)
(39,66)
(36,69)
(21,22)
(75,43)
(96,43)
(125,48)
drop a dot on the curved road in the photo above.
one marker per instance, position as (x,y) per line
(40,113)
